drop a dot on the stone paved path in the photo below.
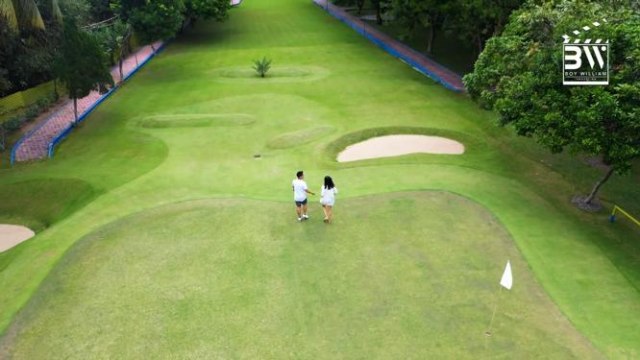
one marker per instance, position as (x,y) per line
(427,66)
(35,144)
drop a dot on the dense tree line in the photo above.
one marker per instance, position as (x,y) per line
(473,21)
(31,31)
(519,69)
(519,75)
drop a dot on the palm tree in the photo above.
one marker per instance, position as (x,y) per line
(23,14)
(56,13)
(9,13)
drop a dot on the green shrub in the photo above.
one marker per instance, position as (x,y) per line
(14,123)
(31,112)
(43,103)
(262,66)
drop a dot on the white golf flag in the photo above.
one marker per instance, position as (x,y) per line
(507,278)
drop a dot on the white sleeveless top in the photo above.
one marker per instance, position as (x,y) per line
(328,196)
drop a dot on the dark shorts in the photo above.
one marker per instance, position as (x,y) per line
(300,203)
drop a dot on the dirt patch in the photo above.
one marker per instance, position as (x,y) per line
(396,145)
(12,235)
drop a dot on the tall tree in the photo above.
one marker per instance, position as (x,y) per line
(81,65)
(519,75)
(412,14)
(9,45)
(50,11)
(115,42)
(157,19)
(8,13)
(27,14)
(476,21)
(80,10)
(380,6)
(359,4)
(100,10)
(206,9)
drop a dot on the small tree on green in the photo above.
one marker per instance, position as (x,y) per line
(81,64)
(262,66)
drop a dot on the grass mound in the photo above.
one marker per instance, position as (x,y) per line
(300,137)
(275,74)
(22,202)
(195,120)
(241,278)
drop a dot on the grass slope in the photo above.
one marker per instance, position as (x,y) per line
(393,277)
(586,266)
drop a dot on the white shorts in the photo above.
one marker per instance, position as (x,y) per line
(327,202)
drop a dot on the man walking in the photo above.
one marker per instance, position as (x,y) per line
(300,192)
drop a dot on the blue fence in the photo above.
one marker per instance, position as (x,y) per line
(67,130)
(407,54)
(26,136)
(64,133)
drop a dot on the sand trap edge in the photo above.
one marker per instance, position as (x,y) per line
(12,235)
(398,145)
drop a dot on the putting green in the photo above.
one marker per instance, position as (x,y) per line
(394,277)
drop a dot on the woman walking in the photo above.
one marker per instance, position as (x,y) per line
(328,198)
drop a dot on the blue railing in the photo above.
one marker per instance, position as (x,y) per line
(410,60)
(67,130)
(64,133)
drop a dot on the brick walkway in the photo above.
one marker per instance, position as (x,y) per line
(35,144)
(418,61)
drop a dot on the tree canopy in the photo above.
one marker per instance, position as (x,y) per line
(162,19)
(519,74)
(157,19)
(81,64)
(206,9)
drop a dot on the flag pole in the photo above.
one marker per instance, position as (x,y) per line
(506,281)
(495,308)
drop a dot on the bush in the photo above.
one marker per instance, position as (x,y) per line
(262,66)
(14,123)
(44,102)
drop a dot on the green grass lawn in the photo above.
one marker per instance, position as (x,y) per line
(384,281)
(161,235)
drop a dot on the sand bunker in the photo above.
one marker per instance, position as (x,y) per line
(396,145)
(12,235)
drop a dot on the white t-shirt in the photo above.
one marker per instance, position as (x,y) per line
(299,187)
(328,196)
